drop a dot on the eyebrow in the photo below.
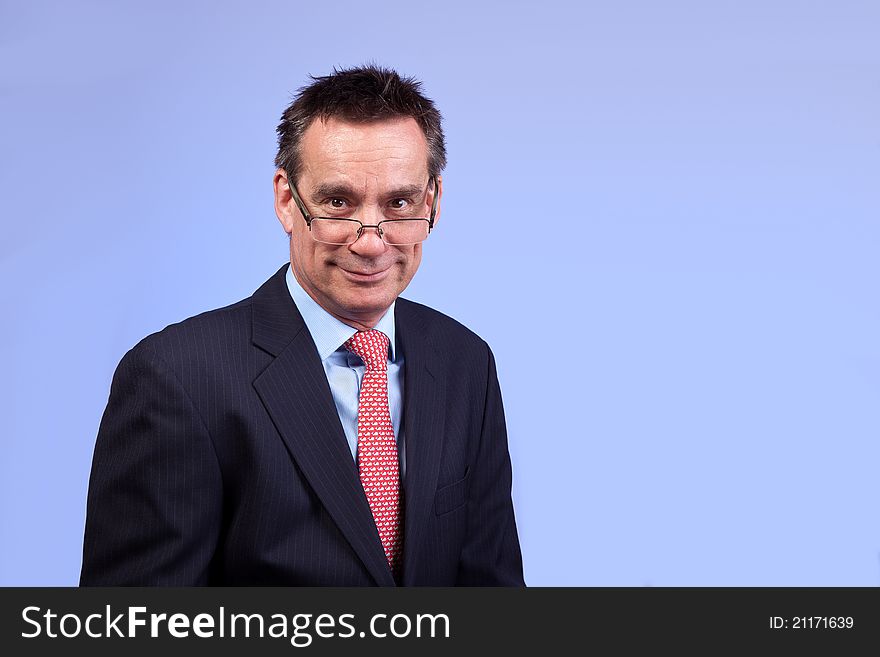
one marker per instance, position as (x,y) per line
(325,190)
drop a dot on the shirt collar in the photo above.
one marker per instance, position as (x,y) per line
(328,332)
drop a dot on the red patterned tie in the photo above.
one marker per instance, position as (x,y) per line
(377,448)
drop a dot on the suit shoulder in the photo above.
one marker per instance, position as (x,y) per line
(441,327)
(208,331)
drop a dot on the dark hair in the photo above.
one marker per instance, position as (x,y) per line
(361,94)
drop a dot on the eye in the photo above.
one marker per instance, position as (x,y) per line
(337,203)
(399,203)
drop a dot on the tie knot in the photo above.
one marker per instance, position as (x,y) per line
(371,346)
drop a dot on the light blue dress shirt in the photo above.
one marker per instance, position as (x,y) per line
(345,370)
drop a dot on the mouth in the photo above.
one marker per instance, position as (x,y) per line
(365,276)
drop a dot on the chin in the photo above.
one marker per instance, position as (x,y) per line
(372,304)
(364,301)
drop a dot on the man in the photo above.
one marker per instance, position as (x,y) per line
(322,432)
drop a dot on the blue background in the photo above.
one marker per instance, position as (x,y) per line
(662,216)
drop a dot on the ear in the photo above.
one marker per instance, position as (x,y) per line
(285,208)
(439,192)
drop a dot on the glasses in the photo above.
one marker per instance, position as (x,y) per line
(344,230)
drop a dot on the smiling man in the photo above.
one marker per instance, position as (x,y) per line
(324,431)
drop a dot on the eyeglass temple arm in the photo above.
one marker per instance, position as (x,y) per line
(298,201)
(433,203)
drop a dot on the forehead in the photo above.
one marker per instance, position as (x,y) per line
(387,149)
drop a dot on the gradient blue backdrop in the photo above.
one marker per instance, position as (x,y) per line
(664,218)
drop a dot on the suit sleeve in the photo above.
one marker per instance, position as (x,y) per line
(153,510)
(491,553)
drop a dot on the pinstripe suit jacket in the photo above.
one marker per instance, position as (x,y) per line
(221,460)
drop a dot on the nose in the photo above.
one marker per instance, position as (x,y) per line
(369,244)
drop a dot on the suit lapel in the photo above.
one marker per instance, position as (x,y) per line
(424,402)
(296,394)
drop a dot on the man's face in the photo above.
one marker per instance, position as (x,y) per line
(367,171)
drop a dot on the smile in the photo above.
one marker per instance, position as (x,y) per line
(369,277)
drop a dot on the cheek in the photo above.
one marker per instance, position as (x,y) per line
(414,258)
(308,252)
(310,262)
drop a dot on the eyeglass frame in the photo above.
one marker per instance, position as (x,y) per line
(307,216)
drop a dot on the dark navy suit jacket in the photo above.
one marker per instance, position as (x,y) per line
(221,460)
